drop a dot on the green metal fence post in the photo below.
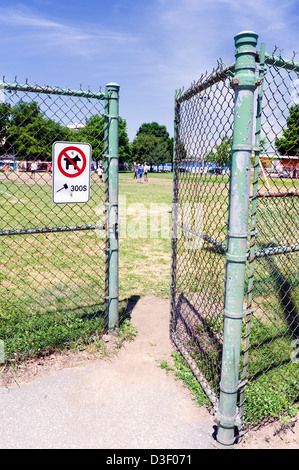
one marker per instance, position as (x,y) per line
(174,209)
(111,162)
(244,82)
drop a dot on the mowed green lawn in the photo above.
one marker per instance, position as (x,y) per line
(145,231)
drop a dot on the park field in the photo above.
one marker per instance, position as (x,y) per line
(52,284)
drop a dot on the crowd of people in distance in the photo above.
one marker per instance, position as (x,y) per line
(141,171)
(35,167)
(19,166)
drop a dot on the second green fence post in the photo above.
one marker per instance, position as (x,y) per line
(245,83)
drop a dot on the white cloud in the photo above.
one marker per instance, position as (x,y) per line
(21,16)
(39,33)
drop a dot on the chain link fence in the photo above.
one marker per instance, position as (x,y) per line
(267,382)
(204,124)
(53,267)
(271,331)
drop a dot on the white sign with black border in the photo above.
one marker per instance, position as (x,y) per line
(71,172)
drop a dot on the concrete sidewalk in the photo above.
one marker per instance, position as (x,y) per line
(127,402)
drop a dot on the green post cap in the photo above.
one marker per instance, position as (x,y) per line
(246,37)
(113,85)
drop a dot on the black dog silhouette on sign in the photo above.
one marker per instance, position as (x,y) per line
(72,161)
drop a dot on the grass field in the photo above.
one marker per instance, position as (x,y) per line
(144,250)
(52,284)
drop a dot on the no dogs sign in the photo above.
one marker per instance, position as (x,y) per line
(71,172)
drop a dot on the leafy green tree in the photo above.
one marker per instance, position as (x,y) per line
(180,150)
(48,132)
(153,128)
(152,144)
(30,135)
(93,133)
(221,155)
(24,114)
(5,116)
(157,130)
(27,133)
(150,149)
(125,151)
(288,144)
(142,148)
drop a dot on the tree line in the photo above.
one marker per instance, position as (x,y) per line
(28,134)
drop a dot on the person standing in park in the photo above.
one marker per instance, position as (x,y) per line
(33,169)
(139,173)
(100,173)
(6,170)
(146,168)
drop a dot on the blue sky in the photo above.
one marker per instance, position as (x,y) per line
(149,47)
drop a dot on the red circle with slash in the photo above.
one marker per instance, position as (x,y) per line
(71,162)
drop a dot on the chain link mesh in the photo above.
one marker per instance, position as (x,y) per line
(204,127)
(201,190)
(52,291)
(271,331)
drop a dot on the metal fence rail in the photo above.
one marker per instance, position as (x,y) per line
(234,284)
(54,264)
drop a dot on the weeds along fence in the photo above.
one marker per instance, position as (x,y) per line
(234,284)
(58,273)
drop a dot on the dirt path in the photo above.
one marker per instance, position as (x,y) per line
(125,402)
